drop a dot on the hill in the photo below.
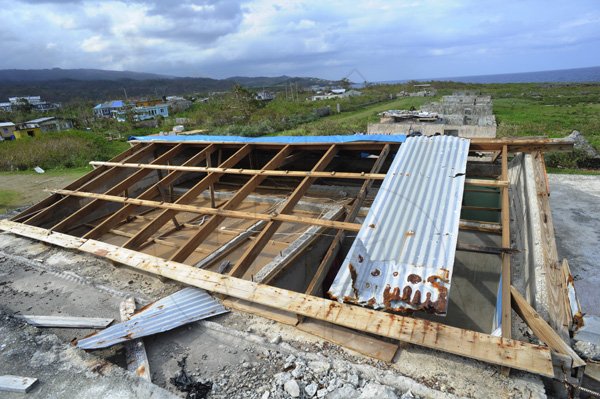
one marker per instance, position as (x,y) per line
(42,75)
(72,85)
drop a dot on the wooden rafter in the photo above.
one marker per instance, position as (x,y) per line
(116,189)
(335,245)
(209,226)
(91,185)
(211,178)
(148,194)
(506,279)
(265,235)
(75,185)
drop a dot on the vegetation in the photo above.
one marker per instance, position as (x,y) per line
(8,199)
(57,150)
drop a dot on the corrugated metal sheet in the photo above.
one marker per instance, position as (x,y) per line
(402,258)
(182,307)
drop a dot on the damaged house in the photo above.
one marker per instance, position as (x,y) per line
(428,241)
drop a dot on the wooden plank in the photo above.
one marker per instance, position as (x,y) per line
(150,193)
(65,321)
(15,383)
(350,339)
(277,315)
(135,351)
(483,249)
(118,188)
(148,230)
(91,185)
(506,281)
(541,329)
(265,235)
(208,227)
(506,352)
(558,312)
(282,173)
(231,244)
(486,227)
(211,211)
(335,245)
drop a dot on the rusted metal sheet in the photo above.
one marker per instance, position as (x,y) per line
(403,256)
(182,307)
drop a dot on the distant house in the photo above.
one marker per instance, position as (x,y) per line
(150,112)
(351,93)
(52,124)
(5,107)
(27,130)
(109,109)
(338,91)
(264,96)
(7,130)
(35,102)
(178,104)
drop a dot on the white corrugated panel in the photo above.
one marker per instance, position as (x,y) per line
(402,258)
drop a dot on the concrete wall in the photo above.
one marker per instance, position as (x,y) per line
(430,129)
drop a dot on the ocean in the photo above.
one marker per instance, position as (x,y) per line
(591,74)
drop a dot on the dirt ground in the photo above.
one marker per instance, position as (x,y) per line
(30,187)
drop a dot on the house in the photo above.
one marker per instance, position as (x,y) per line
(109,109)
(351,93)
(5,107)
(264,96)
(150,112)
(7,130)
(24,130)
(52,124)
(178,104)
(35,102)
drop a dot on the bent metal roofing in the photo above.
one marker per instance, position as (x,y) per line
(403,256)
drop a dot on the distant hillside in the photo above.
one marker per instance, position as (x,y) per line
(40,75)
(69,85)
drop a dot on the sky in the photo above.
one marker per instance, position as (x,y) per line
(330,39)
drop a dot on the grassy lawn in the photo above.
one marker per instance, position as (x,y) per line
(355,121)
(9,199)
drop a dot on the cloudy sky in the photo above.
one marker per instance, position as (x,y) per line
(384,40)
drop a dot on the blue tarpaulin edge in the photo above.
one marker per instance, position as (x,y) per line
(276,139)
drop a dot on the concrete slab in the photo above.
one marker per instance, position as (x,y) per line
(575,202)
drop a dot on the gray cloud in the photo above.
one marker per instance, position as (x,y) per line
(383,39)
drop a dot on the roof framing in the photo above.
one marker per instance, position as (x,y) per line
(139,185)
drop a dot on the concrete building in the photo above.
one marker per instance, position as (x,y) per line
(35,102)
(7,130)
(463,115)
(143,113)
(52,124)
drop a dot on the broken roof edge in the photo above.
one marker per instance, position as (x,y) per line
(207,138)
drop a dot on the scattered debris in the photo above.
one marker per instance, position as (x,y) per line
(39,170)
(185,383)
(14,383)
(182,307)
(66,321)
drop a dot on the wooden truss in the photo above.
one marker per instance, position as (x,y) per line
(179,209)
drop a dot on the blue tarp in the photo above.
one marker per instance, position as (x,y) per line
(277,139)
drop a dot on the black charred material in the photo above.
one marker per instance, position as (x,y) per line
(185,383)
